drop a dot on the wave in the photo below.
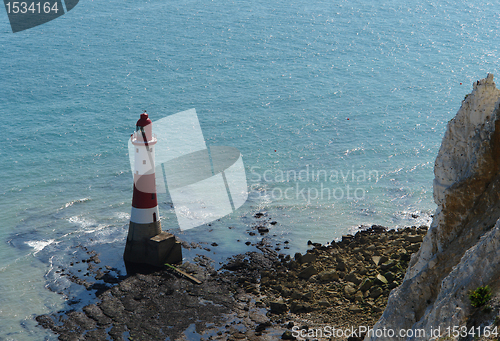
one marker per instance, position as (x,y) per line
(413,218)
(68,204)
(39,245)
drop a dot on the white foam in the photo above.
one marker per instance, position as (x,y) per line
(68,204)
(39,245)
(81,221)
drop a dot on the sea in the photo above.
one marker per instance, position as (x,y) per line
(337,107)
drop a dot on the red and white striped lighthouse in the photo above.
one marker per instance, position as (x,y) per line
(144,203)
(146,243)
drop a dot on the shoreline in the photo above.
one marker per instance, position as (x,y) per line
(272,296)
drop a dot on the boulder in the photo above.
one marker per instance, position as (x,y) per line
(376,292)
(353,277)
(341,265)
(308,272)
(278,307)
(381,279)
(366,284)
(349,289)
(328,276)
(308,258)
(389,264)
(414,238)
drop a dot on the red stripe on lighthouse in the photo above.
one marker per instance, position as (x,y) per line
(143,199)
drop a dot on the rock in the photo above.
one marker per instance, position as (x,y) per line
(328,276)
(390,276)
(287,335)
(355,338)
(355,309)
(299,307)
(308,258)
(349,289)
(262,326)
(112,307)
(388,264)
(298,257)
(259,318)
(278,288)
(393,285)
(381,279)
(323,302)
(308,272)
(313,278)
(416,238)
(358,297)
(377,228)
(370,248)
(460,250)
(347,238)
(366,284)
(353,277)
(235,264)
(308,296)
(262,229)
(413,247)
(82,320)
(341,265)
(376,292)
(278,307)
(376,259)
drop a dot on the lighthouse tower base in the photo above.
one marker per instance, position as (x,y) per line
(147,244)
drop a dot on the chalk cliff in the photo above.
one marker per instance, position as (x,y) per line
(461,250)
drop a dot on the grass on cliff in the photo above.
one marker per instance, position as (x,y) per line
(480,296)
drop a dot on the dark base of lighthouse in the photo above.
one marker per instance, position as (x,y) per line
(147,244)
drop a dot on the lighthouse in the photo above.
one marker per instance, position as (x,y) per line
(144,202)
(146,243)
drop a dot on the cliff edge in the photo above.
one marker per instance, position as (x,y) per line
(461,250)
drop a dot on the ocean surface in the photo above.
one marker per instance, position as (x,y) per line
(338,108)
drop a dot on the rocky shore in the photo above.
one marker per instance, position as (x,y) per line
(254,296)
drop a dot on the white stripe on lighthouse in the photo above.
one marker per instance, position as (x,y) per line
(144,215)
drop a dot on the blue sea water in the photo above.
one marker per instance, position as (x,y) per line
(338,108)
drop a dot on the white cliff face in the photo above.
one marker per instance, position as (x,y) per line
(480,265)
(466,134)
(462,155)
(451,259)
